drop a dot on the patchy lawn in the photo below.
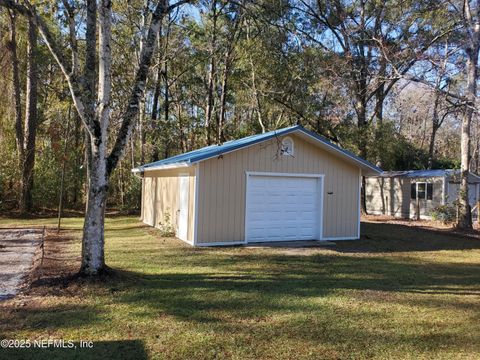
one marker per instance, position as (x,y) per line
(401,293)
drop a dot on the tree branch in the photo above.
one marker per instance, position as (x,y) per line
(53,45)
(139,85)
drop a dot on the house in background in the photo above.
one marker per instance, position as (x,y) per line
(289,184)
(406,194)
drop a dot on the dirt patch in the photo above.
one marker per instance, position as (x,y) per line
(52,276)
(60,264)
(18,251)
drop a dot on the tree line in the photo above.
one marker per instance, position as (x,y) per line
(94,88)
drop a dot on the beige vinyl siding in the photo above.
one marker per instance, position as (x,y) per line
(222,188)
(388,196)
(161,194)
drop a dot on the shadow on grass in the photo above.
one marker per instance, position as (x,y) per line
(253,285)
(55,317)
(249,286)
(101,350)
(258,291)
(385,237)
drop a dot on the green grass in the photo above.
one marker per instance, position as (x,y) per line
(402,293)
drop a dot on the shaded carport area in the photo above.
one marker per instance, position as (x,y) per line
(18,249)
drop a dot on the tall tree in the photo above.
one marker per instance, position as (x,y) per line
(25,132)
(440,110)
(375,43)
(233,20)
(212,70)
(95,113)
(471,21)
(17,92)
(30,120)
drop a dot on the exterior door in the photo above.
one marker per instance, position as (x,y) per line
(283,208)
(421,198)
(184,187)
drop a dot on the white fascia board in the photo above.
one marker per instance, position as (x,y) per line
(162,167)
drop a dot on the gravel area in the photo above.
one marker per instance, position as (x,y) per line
(17,252)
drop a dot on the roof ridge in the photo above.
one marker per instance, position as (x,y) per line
(212,151)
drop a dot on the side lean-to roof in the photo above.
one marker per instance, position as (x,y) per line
(208,152)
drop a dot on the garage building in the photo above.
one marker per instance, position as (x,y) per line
(285,185)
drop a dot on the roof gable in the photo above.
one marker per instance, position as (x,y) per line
(212,151)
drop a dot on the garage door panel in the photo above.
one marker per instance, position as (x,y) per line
(282,208)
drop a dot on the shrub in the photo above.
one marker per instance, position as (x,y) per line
(166,228)
(445,213)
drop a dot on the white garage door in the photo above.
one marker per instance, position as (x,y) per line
(283,208)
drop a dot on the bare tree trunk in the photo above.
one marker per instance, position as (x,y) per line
(31,120)
(141,117)
(431,148)
(476,157)
(435,127)
(210,100)
(211,74)
(471,49)
(64,168)
(155,108)
(380,99)
(223,99)
(160,128)
(78,161)
(436,120)
(17,91)
(256,96)
(361,111)
(227,60)
(93,261)
(141,123)
(166,98)
(183,137)
(379,103)
(380,93)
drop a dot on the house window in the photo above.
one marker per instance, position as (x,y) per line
(429,191)
(421,190)
(287,146)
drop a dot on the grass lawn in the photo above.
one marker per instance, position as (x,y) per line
(401,293)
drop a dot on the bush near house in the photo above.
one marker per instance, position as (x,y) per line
(445,213)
